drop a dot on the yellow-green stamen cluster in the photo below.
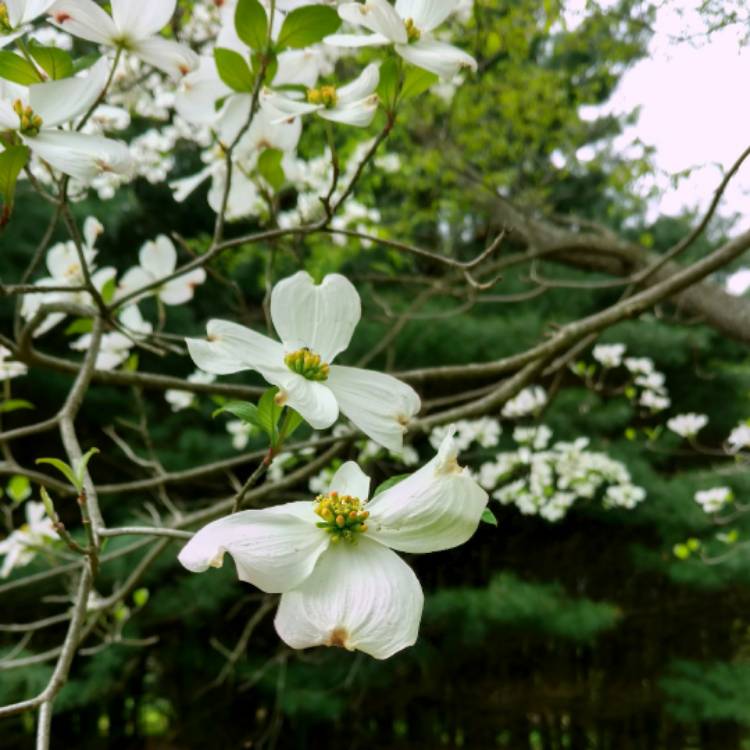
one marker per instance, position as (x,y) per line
(412,32)
(343,517)
(308,364)
(5,26)
(325,95)
(30,123)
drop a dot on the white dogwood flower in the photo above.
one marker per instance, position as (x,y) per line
(333,560)
(158,259)
(133,26)
(20,547)
(10,368)
(739,438)
(315,323)
(15,13)
(687,425)
(65,269)
(36,112)
(115,347)
(353,104)
(408,27)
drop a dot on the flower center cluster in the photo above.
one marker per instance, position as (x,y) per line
(325,95)
(343,517)
(308,364)
(412,32)
(30,123)
(4,19)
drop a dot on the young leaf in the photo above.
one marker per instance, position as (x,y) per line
(416,82)
(292,420)
(12,161)
(251,23)
(18,488)
(109,289)
(79,326)
(63,468)
(489,517)
(14,404)
(82,464)
(270,169)
(244,410)
(268,414)
(14,68)
(392,482)
(233,70)
(308,25)
(388,85)
(55,62)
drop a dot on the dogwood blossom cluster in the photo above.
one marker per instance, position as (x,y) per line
(485,432)
(687,425)
(21,546)
(714,499)
(739,438)
(545,481)
(528,402)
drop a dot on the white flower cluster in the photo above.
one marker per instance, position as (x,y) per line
(714,499)
(687,425)
(547,481)
(609,355)
(486,432)
(21,546)
(739,438)
(528,402)
(179,400)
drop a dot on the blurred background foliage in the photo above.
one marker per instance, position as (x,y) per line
(588,633)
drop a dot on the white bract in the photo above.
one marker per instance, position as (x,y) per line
(713,500)
(133,26)
(408,27)
(353,104)
(315,323)
(609,355)
(16,13)
(10,368)
(158,259)
(115,347)
(333,560)
(178,399)
(35,113)
(21,546)
(687,425)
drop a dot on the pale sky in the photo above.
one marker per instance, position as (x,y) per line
(695,110)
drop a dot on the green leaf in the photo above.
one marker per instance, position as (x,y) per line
(85,62)
(308,25)
(109,289)
(244,410)
(392,482)
(14,404)
(388,85)
(292,421)
(12,161)
(233,70)
(268,414)
(251,23)
(79,326)
(416,82)
(83,463)
(270,169)
(56,63)
(14,68)
(18,488)
(489,517)
(63,468)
